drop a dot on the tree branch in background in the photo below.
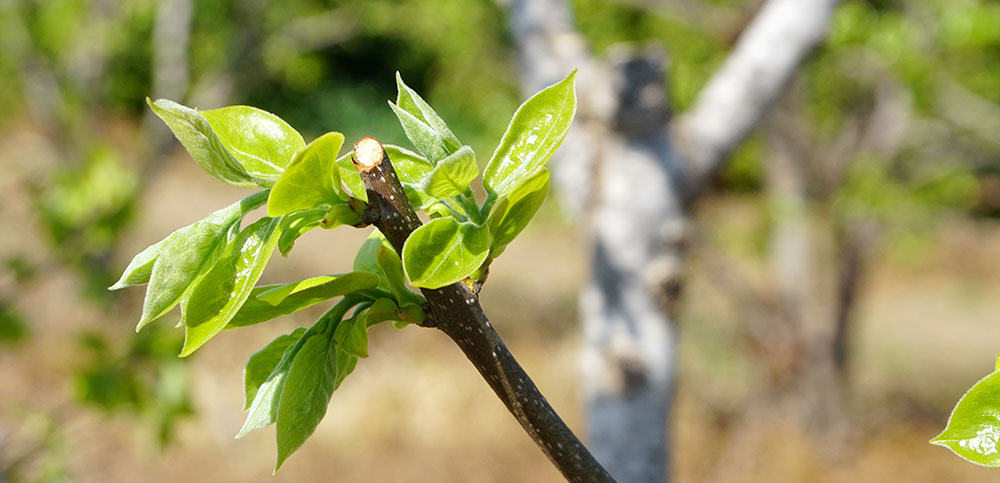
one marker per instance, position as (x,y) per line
(765,59)
(457,313)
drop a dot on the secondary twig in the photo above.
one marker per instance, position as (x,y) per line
(457,313)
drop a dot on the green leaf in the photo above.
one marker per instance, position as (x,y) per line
(536,131)
(296,225)
(263,362)
(187,253)
(424,138)
(453,174)
(351,335)
(411,169)
(377,256)
(513,212)
(264,409)
(391,267)
(350,180)
(973,430)
(326,286)
(339,215)
(311,381)
(140,268)
(408,100)
(312,180)
(197,136)
(219,294)
(382,310)
(444,251)
(260,141)
(255,311)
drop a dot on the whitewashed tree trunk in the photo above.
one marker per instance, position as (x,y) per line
(631,171)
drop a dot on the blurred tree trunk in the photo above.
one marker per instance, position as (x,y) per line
(631,171)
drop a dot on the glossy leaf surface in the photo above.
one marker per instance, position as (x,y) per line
(452,175)
(197,136)
(443,252)
(312,180)
(533,135)
(261,142)
(219,294)
(186,254)
(513,212)
(973,430)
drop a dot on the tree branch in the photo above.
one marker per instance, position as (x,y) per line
(457,313)
(736,97)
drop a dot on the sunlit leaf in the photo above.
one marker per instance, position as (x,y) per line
(219,294)
(312,180)
(261,142)
(514,211)
(453,174)
(444,251)
(187,253)
(408,100)
(311,379)
(197,136)
(263,362)
(536,131)
(973,430)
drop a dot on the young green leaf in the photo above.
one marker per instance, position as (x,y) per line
(339,215)
(140,268)
(424,138)
(453,174)
(187,253)
(260,141)
(411,102)
(352,335)
(305,396)
(326,286)
(264,408)
(412,169)
(296,225)
(217,297)
(513,212)
(973,430)
(263,362)
(350,180)
(255,311)
(536,131)
(197,136)
(391,267)
(312,180)
(444,251)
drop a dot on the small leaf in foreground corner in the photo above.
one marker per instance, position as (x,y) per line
(260,141)
(311,180)
(973,430)
(444,251)
(200,140)
(263,362)
(453,174)
(219,294)
(513,212)
(536,131)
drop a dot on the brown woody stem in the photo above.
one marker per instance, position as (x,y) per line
(456,312)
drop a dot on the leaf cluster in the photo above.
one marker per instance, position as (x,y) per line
(211,268)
